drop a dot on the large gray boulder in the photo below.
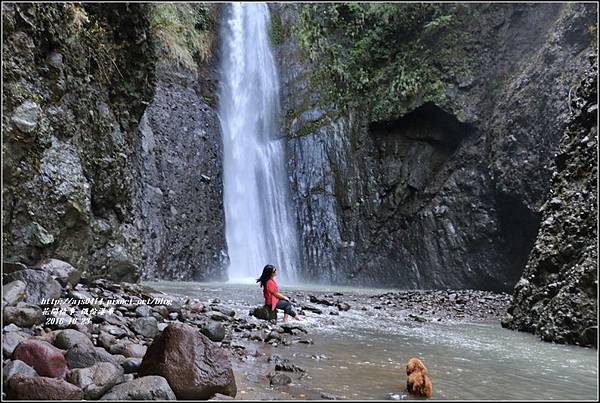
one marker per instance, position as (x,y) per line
(13,292)
(96,380)
(68,338)
(14,367)
(39,285)
(145,326)
(63,272)
(83,356)
(213,330)
(145,388)
(23,315)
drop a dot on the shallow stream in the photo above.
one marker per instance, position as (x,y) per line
(362,354)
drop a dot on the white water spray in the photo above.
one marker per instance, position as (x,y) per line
(259,227)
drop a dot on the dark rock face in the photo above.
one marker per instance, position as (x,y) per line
(68,129)
(556,298)
(109,178)
(194,366)
(180,185)
(447,195)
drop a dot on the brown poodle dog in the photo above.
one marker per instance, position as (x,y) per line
(418,382)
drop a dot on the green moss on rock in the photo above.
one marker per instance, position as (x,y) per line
(383,58)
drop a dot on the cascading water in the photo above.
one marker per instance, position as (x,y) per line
(259,227)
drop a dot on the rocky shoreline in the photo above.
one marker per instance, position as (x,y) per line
(69,337)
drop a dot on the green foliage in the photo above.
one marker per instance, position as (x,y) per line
(185,31)
(276,31)
(440,22)
(374,55)
(312,127)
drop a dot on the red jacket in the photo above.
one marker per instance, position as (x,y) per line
(269,291)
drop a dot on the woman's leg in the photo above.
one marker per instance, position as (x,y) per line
(287,308)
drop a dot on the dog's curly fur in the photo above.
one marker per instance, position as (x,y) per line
(418,381)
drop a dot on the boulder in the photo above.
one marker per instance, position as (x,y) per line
(322,301)
(143,310)
(213,330)
(145,326)
(15,367)
(61,271)
(83,356)
(13,292)
(145,388)
(68,338)
(264,312)
(223,310)
(196,307)
(10,341)
(284,364)
(24,315)
(128,349)
(195,367)
(279,379)
(42,388)
(131,364)
(46,359)
(11,328)
(115,330)
(96,380)
(291,328)
(106,340)
(218,316)
(162,311)
(39,285)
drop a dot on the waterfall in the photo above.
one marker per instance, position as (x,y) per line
(259,226)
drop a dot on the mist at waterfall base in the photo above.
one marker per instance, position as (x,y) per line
(259,226)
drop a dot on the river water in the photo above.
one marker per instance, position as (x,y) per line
(362,354)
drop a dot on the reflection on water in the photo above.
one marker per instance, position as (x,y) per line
(362,354)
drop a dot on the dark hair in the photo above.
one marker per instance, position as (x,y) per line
(266,274)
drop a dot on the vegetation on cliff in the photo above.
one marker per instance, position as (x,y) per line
(185,33)
(378,56)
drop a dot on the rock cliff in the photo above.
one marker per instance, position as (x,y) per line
(556,297)
(446,193)
(111,147)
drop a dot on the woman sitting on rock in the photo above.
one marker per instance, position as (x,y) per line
(273,298)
